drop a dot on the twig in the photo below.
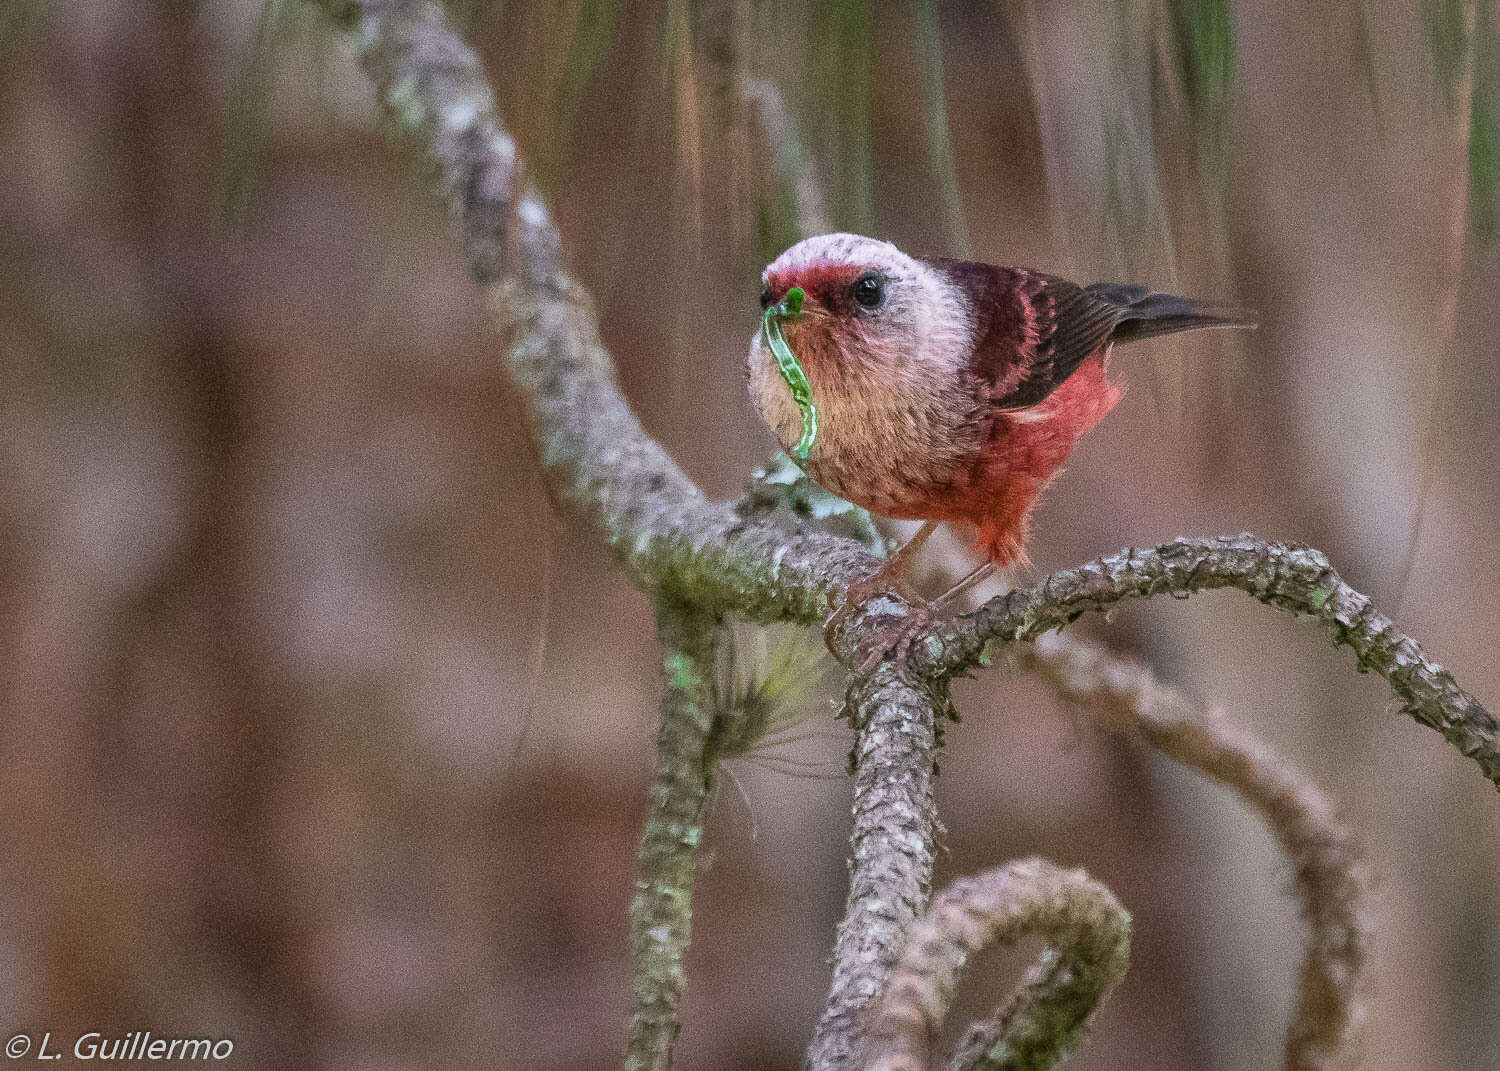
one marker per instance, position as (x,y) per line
(1287,576)
(1329,880)
(1088,934)
(792,159)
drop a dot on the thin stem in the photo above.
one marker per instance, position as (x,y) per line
(661,911)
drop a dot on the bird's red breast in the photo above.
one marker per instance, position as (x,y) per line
(1023,452)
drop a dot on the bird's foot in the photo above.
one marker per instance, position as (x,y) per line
(890,578)
(895,639)
(886,639)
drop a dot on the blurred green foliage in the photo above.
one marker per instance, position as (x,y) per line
(929,45)
(1484,135)
(1460,41)
(1192,75)
(250,106)
(843,40)
(1446,24)
(1201,33)
(1364,56)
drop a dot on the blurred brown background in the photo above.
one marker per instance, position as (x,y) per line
(322,732)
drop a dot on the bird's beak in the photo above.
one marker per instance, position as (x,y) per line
(812,309)
(809,311)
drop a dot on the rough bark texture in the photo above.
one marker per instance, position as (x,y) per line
(661,911)
(890,873)
(1043,1023)
(1287,576)
(1088,933)
(707,560)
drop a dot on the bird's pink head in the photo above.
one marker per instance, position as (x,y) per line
(867,305)
(840,274)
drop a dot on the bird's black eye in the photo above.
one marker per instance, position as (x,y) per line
(765,298)
(869,290)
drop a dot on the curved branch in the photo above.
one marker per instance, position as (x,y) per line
(1088,932)
(597,455)
(1329,880)
(1040,1027)
(1288,576)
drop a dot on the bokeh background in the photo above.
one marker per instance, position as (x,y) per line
(322,731)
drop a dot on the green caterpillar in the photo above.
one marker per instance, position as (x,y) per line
(789,308)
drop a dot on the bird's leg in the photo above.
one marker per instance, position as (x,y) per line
(977,575)
(892,573)
(890,577)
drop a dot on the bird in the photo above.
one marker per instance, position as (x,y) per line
(946,391)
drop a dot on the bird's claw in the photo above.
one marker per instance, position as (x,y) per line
(886,640)
(895,640)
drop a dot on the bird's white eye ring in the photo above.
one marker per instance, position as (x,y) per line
(869,290)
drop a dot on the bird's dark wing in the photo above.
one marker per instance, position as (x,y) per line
(1031,330)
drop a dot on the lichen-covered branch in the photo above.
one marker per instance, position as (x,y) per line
(890,870)
(661,910)
(1288,576)
(1041,1026)
(1088,936)
(1329,880)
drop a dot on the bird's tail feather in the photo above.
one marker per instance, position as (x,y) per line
(1146,314)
